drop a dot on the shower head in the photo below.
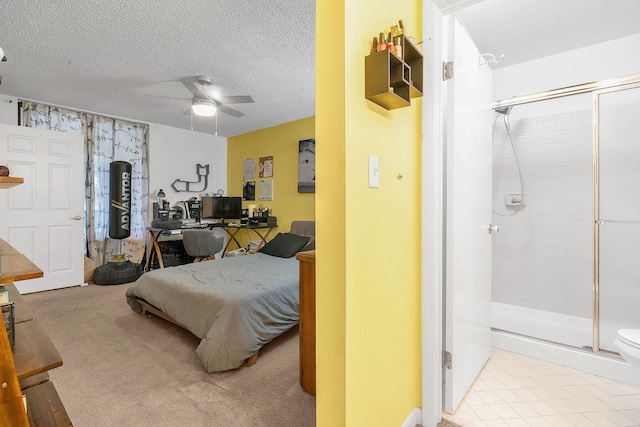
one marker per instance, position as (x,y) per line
(503,110)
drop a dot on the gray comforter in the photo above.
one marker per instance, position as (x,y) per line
(234,305)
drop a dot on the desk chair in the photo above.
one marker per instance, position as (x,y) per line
(201,244)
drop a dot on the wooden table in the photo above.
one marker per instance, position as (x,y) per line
(34,352)
(24,367)
(14,266)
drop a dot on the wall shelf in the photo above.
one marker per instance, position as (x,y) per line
(10,181)
(392,82)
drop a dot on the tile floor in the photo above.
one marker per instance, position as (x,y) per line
(514,390)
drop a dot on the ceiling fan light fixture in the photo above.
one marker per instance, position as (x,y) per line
(205,108)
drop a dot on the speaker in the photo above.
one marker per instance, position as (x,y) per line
(120,195)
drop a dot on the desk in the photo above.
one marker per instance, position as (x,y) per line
(259,229)
(155,235)
(262,230)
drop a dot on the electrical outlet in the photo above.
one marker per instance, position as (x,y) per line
(374,172)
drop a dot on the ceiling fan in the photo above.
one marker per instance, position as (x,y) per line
(206,103)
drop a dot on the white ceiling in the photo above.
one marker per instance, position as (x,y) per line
(523,30)
(124,59)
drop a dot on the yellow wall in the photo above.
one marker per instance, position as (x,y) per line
(368,253)
(281,142)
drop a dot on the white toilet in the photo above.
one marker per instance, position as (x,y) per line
(628,343)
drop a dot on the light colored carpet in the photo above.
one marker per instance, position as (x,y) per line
(124,369)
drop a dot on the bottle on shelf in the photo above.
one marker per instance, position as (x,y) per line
(374,45)
(401,27)
(398,47)
(390,45)
(381,43)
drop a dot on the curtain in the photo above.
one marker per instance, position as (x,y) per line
(107,140)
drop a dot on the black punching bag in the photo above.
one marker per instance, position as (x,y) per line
(120,194)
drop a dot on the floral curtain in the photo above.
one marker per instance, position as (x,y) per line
(107,140)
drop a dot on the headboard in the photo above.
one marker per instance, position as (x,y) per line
(305,228)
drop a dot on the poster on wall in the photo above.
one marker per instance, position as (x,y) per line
(249,190)
(266,189)
(266,167)
(307,166)
(249,169)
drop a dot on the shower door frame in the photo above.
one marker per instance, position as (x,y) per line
(595,88)
(597,222)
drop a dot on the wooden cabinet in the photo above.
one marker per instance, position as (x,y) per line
(307,323)
(391,81)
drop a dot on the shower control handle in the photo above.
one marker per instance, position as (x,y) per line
(493,228)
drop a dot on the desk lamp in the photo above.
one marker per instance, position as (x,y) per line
(161,197)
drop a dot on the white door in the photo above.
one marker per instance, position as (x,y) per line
(43,218)
(468,215)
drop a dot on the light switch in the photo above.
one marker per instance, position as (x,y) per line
(374,172)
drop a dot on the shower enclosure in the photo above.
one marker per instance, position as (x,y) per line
(566,174)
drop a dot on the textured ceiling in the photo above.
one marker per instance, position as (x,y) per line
(124,59)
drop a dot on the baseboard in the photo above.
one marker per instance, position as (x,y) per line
(414,418)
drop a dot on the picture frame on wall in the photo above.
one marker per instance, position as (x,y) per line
(265,167)
(307,166)
(266,189)
(249,190)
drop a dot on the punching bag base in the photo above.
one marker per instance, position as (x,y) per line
(117,273)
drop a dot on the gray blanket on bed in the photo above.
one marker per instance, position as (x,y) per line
(234,305)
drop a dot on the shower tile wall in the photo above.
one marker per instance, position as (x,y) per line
(543,254)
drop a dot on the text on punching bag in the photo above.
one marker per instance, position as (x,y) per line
(124,205)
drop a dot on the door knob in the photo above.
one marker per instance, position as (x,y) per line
(493,228)
(77,217)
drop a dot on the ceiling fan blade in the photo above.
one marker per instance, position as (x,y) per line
(230,111)
(190,84)
(239,99)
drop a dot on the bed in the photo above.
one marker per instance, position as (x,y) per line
(234,305)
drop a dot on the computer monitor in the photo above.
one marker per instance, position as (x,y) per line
(221,208)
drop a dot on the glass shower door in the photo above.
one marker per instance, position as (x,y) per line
(617,214)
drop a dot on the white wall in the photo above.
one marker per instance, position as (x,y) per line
(616,58)
(174,154)
(8,110)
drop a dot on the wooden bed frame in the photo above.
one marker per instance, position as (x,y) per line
(148,309)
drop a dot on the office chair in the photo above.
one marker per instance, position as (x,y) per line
(201,244)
